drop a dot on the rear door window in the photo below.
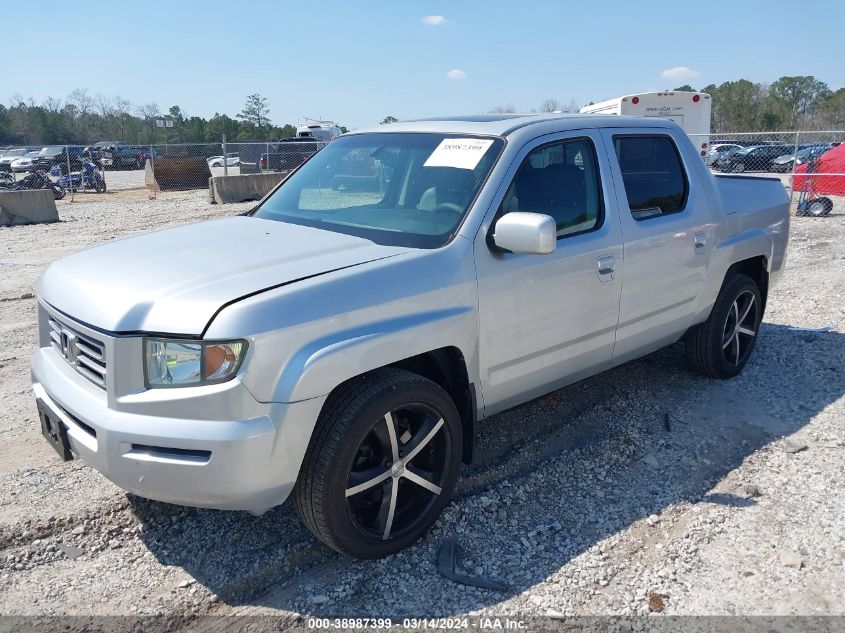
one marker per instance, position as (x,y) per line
(654,177)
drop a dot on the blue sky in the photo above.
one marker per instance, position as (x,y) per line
(356,62)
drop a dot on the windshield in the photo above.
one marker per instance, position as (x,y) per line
(14,152)
(401,189)
(51,149)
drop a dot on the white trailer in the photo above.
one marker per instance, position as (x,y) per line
(690,110)
(322,130)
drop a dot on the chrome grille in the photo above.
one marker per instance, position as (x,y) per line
(85,354)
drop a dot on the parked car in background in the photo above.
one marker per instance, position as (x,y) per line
(754,158)
(731,141)
(123,156)
(806,152)
(718,151)
(58,156)
(95,151)
(232,159)
(9,155)
(24,163)
(288,154)
(339,347)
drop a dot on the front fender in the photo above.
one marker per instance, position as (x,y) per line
(319,366)
(308,337)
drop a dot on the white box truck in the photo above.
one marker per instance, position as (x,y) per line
(690,110)
(325,131)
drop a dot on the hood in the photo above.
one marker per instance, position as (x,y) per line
(174,281)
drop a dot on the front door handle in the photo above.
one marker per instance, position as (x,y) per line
(700,240)
(606,267)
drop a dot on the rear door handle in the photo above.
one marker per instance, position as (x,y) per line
(700,240)
(606,267)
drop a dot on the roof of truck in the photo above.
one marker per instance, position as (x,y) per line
(504,124)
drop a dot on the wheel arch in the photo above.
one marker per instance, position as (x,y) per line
(447,367)
(757,268)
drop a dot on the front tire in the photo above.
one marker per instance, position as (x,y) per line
(721,346)
(381,465)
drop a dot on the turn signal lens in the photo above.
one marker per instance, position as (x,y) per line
(221,359)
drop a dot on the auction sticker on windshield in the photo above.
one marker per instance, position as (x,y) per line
(462,153)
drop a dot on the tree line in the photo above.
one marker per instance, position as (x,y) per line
(82,118)
(790,103)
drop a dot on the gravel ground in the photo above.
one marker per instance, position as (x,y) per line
(646,489)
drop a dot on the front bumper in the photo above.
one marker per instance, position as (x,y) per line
(234,464)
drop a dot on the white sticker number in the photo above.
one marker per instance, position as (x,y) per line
(462,153)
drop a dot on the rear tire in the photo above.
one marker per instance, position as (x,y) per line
(381,465)
(721,346)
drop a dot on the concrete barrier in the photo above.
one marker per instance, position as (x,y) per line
(27,207)
(242,188)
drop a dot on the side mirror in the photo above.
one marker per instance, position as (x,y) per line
(530,233)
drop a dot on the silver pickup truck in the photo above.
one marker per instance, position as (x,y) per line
(341,342)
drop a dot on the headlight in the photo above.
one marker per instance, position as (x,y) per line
(186,363)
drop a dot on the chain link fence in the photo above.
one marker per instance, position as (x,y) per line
(811,164)
(111,166)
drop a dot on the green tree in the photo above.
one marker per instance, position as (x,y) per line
(221,124)
(287,131)
(256,112)
(4,123)
(685,88)
(195,129)
(831,111)
(737,106)
(797,97)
